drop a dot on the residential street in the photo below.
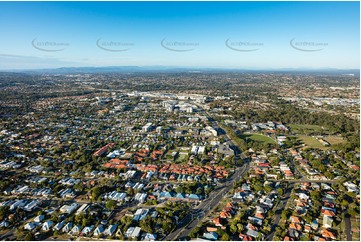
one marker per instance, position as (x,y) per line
(281,206)
(348,227)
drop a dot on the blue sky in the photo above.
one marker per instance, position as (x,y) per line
(261,35)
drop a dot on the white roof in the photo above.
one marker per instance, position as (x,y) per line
(39,218)
(99,230)
(129,231)
(75,229)
(136,232)
(110,230)
(67,227)
(149,237)
(47,225)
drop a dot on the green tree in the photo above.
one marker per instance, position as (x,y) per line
(79,218)
(315,195)
(353,211)
(344,203)
(276,238)
(55,217)
(199,191)
(225,237)
(29,237)
(179,189)
(286,214)
(194,232)
(147,225)
(96,191)
(111,204)
(167,226)
(305,237)
(240,227)
(260,236)
(3,212)
(233,228)
(268,188)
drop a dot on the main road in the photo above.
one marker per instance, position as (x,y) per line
(188,223)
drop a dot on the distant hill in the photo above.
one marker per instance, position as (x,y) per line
(135,69)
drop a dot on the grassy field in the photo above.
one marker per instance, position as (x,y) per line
(259,138)
(308,129)
(334,140)
(181,158)
(311,142)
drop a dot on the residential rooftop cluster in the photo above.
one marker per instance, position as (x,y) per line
(174,156)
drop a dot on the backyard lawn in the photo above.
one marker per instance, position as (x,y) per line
(181,158)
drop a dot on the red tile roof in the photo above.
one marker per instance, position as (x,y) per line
(217,221)
(328,234)
(327,212)
(103,149)
(287,238)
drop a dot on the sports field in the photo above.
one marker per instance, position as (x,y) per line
(312,142)
(308,129)
(259,138)
(334,139)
